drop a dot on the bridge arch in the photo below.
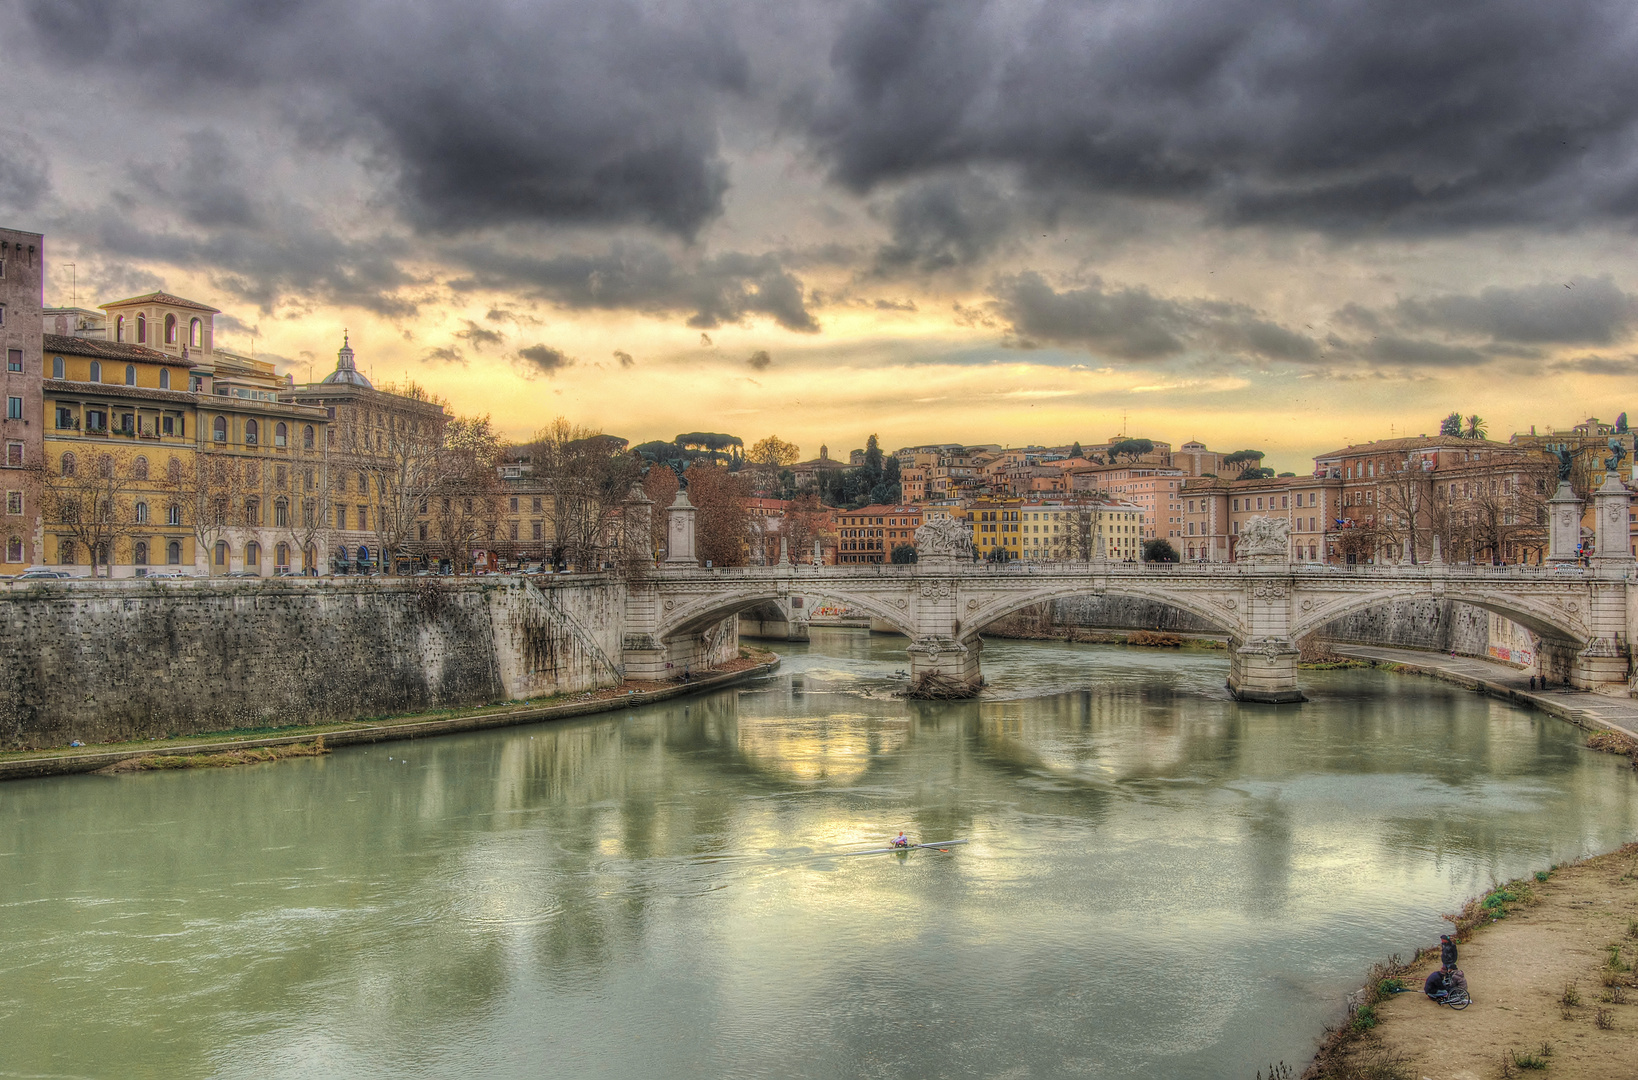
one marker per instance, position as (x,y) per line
(1564,621)
(1201,606)
(695,615)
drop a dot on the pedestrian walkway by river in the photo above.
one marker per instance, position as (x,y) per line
(1580,707)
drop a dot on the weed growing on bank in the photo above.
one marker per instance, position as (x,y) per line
(1350,1052)
(1615,742)
(219,760)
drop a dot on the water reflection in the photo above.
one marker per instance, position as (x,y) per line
(653,893)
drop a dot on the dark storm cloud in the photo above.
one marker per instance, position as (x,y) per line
(292,260)
(25,175)
(1586,312)
(760,360)
(624,357)
(712,290)
(1316,113)
(943,223)
(1135,324)
(487,113)
(206,186)
(543,360)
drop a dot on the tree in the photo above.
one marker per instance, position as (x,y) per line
(1451,425)
(1132,449)
(210,491)
(1075,450)
(1475,427)
(873,454)
(1358,540)
(1159,550)
(903,554)
(661,486)
(774,453)
(711,442)
(464,498)
(588,475)
(805,522)
(721,520)
(88,498)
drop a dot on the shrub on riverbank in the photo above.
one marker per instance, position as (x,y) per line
(221,759)
(1615,742)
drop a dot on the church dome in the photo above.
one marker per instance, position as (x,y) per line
(345,372)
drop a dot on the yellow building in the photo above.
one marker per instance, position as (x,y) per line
(119,427)
(996,528)
(177,454)
(1055,531)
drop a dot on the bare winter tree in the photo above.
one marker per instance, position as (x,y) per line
(88,498)
(588,475)
(210,490)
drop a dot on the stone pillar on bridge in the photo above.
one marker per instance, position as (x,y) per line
(1563,524)
(1606,658)
(1613,529)
(944,661)
(679,532)
(1263,665)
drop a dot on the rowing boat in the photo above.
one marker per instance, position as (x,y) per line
(910,847)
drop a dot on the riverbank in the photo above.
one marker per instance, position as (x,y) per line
(1549,960)
(1579,707)
(629,694)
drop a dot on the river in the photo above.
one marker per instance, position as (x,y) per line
(1160,882)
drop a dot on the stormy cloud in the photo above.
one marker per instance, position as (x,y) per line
(709,291)
(1334,116)
(1134,324)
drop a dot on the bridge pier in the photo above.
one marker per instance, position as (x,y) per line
(1264,670)
(943,667)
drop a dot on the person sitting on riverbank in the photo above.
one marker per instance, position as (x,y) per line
(1442,982)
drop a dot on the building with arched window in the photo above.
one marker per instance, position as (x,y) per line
(130,423)
(22,255)
(204,433)
(369,436)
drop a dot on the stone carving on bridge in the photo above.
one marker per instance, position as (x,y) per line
(933,590)
(944,535)
(1264,540)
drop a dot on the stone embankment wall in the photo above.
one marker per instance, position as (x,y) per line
(108,661)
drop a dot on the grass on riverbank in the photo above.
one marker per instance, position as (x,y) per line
(218,760)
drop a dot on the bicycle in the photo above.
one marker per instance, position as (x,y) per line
(1457,999)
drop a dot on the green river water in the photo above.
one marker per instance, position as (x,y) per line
(1160,882)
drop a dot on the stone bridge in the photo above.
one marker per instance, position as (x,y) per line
(1265,606)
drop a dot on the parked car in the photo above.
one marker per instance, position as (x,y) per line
(168,575)
(41,573)
(242,574)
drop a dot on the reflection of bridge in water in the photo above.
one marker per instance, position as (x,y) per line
(942,604)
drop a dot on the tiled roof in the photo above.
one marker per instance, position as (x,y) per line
(103,349)
(116,390)
(163,298)
(1419,442)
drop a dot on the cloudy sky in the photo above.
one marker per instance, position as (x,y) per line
(1273,223)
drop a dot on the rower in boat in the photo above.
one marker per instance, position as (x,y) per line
(901,840)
